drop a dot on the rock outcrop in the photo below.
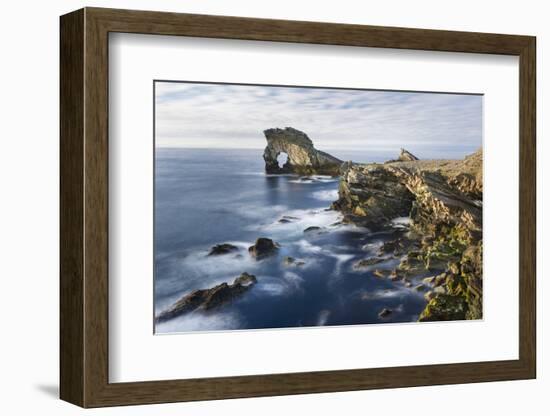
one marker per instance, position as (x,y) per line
(303,158)
(404,156)
(224,248)
(263,247)
(443,199)
(208,299)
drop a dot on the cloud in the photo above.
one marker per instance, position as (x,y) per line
(234,116)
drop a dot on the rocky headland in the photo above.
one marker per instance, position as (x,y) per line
(431,210)
(303,158)
(443,201)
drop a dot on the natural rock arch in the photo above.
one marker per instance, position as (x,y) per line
(303,158)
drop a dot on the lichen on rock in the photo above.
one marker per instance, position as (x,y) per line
(303,158)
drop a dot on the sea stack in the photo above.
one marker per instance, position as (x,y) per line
(303,158)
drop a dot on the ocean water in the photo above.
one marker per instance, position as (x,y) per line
(207,197)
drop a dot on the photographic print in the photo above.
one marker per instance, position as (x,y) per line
(294,206)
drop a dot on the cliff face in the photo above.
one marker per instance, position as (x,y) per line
(443,199)
(303,158)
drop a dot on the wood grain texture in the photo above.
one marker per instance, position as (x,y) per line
(84,207)
(71,101)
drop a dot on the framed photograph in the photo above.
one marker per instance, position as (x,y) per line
(254,207)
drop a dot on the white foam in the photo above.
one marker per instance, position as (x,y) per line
(200,321)
(323,317)
(384,294)
(304,218)
(314,179)
(327,195)
(401,222)
(279,286)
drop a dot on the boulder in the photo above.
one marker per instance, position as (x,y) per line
(303,158)
(263,247)
(224,248)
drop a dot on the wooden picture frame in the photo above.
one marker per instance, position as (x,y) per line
(84,207)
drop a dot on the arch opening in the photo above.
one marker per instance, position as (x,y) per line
(282,159)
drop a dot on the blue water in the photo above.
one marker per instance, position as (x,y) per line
(206,197)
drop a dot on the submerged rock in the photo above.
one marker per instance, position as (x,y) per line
(207,299)
(385,313)
(312,228)
(224,248)
(395,275)
(303,158)
(285,219)
(263,247)
(380,273)
(291,261)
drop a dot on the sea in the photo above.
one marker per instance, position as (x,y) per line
(205,197)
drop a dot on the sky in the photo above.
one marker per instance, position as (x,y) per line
(430,125)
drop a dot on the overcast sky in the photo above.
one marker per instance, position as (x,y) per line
(234,116)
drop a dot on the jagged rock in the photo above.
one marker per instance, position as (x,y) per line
(445,308)
(429,295)
(263,247)
(406,156)
(303,158)
(372,195)
(429,280)
(224,248)
(364,263)
(443,199)
(207,299)
(395,247)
